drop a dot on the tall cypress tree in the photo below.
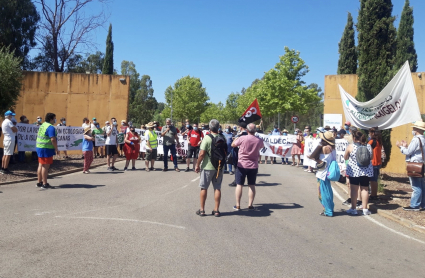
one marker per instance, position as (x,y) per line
(405,45)
(347,63)
(108,64)
(376,53)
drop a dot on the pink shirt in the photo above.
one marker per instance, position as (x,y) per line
(249,151)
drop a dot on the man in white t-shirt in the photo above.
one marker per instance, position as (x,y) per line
(9,132)
(111,143)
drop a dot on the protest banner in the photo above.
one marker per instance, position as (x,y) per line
(69,138)
(332,120)
(340,147)
(120,138)
(310,145)
(395,105)
(99,137)
(275,145)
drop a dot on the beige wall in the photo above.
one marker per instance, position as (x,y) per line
(73,96)
(333,105)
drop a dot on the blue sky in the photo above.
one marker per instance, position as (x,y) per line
(229,43)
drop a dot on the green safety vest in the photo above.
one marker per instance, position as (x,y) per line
(153,142)
(43,141)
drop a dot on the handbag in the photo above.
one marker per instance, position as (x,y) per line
(333,171)
(416,169)
(229,158)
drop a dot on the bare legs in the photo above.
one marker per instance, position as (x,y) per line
(364,194)
(251,195)
(42,172)
(5,161)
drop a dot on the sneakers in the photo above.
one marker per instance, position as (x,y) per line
(409,208)
(351,211)
(347,202)
(366,212)
(232,184)
(226,172)
(164,170)
(47,186)
(39,184)
(133,168)
(236,208)
(114,169)
(187,169)
(1,172)
(359,204)
(125,168)
(231,173)
(110,169)
(6,172)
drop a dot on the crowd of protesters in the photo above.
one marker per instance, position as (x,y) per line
(210,144)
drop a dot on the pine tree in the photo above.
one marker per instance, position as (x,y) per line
(108,64)
(347,63)
(405,45)
(376,53)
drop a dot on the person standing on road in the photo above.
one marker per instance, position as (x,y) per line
(285,160)
(169,135)
(86,123)
(242,132)
(62,123)
(143,131)
(194,139)
(349,138)
(9,131)
(131,148)
(296,148)
(414,152)
(209,174)
(228,134)
(111,144)
(276,132)
(151,146)
(359,176)
(47,147)
(87,149)
(327,155)
(376,144)
(21,154)
(249,151)
(123,132)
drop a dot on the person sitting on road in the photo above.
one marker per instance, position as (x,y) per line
(88,140)
(414,152)
(327,155)
(359,175)
(151,146)
(249,150)
(131,148)
(209,174)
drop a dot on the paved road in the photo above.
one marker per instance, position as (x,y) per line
(138,224)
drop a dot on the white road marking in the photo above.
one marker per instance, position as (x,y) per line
(196,179)
(44,212)
(123,219)
(379,223)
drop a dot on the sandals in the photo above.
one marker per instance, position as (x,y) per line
(293,164)
(216,213)
(200,212)
(147,169)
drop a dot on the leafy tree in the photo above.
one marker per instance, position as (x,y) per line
(108,66)
(160,107)
(11,78)
(230,110)
(187,98)
(405,46)
(144,104)
(18,24)
(129,68)
(347,63)
(213,111)
(92,63)
(377,48)
(315,110)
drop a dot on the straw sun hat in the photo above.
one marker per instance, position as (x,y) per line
(419,124)
(87,129)
(328,137)
(149,125)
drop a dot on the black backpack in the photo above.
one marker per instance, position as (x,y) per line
(218,151)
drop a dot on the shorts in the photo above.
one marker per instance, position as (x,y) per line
(121,146)
(192,151)
(208,176)
(8,147)
(362,181)
(94,143)
(45,160)
(151,155)
(242,173)
(111,149)
(375,173)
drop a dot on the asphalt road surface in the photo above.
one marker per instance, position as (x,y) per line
(138,224)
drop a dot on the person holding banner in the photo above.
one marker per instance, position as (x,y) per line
(9,131)
(194,138)
(63,123)
(88,140)
(97,131)
(131,148)
(151,146)
(376,144)
(414,152)
(47,147)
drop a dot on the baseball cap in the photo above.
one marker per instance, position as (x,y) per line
(9,113)
(348,123)
(107,122)
(94,118)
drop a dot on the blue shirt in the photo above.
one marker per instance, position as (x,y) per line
(87,145)
(413,151)
(275,132)
(41,152)
(229,140)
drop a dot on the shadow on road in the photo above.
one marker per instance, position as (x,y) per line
(262,183)
(114,172)
(87,186)
(263,175)
(262,210)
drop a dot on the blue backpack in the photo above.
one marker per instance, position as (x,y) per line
(333,171)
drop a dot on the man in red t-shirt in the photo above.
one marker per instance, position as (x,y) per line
(194,138)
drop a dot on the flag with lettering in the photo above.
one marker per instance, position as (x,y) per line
(251,114)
